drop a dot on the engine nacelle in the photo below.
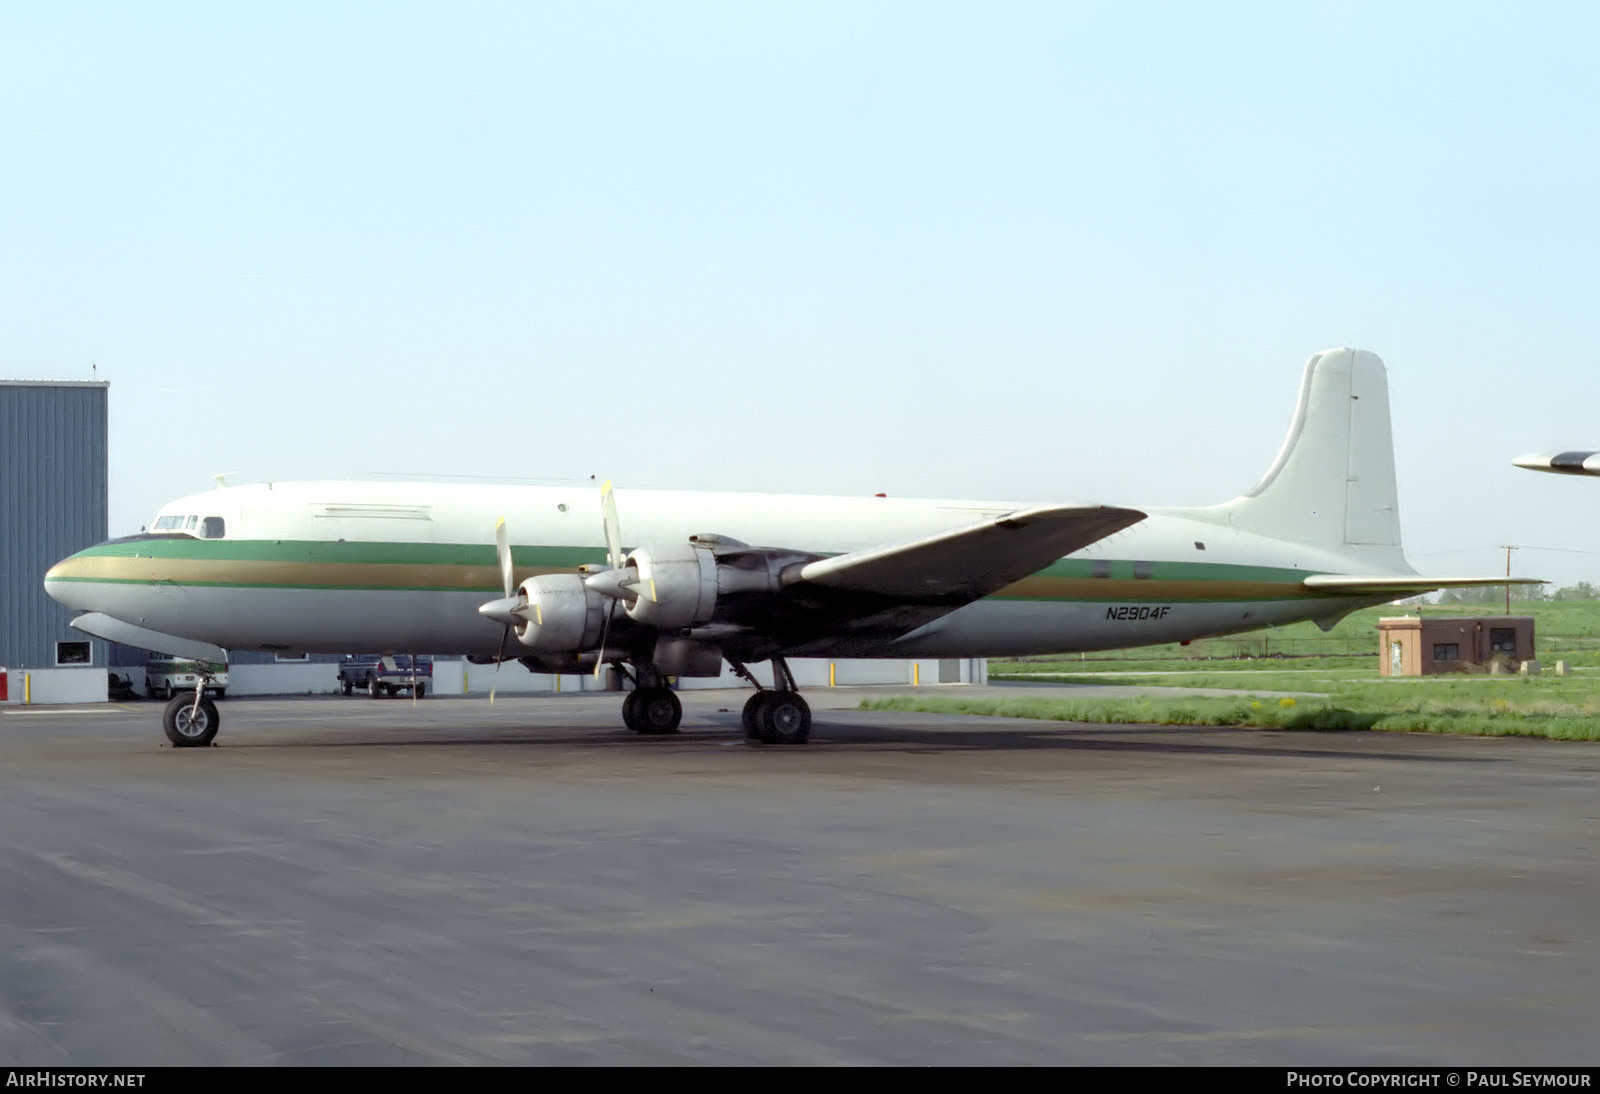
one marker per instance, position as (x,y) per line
(677,585)
(562,615)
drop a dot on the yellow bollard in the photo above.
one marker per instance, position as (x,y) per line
(558,683)
(831,667)
(27,688)
(916,674)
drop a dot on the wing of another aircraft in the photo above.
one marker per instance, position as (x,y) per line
(1562,463)
(967,563)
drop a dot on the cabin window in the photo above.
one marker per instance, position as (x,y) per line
(169,524)
(189,522)
(1142,570)
(212,528)
(1100,567)
(1446,651)
(72,653)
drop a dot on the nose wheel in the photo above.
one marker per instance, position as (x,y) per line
(190,724)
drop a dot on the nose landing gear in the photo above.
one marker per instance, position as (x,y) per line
(191,721)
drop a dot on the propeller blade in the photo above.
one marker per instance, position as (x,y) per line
(613,526)
(502,550)
(605,627)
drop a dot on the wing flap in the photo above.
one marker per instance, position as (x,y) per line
(967,563)
(1405,584)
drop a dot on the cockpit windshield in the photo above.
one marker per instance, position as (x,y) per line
(204,528)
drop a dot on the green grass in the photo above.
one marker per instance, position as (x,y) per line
(1560,709)
(1341,667)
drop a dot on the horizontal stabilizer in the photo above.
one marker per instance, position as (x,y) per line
(1405,584)
(1562,463)
(115,630)
(971,562)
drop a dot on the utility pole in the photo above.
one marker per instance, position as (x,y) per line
(1509,548)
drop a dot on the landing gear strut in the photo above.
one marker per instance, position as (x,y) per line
(778,716)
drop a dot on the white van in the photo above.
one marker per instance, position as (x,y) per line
(165,677)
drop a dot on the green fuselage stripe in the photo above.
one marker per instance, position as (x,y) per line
(448,567)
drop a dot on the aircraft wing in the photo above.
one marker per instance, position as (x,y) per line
(1562,463)
(884,592)
(1404,585)
(968,563)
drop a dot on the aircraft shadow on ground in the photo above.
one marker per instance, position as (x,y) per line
(907,740)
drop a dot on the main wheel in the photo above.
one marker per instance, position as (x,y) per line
(374,688)
(652,711)
(422,689)
(346,686)
(188,727)
(783,718)
(752,726)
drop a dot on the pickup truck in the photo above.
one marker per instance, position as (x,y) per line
(386,675)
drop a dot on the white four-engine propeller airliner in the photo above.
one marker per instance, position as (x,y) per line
(540,574)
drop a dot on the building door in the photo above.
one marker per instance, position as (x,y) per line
(1396,660)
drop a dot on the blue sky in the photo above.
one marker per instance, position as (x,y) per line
(1015,250)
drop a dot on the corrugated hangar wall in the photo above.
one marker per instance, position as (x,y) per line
(53,501)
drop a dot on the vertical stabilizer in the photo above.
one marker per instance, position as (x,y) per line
(1332,485)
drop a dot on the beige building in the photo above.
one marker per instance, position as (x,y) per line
(1411,645)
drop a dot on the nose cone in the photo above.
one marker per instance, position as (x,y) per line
(72,580)
(507,610)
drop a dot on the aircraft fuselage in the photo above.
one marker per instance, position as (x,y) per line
(394,567)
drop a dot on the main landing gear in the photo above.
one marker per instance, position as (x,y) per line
(652,711)
(777,716)
(774,716)
(651,708)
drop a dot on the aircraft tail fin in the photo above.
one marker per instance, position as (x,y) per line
(1333,484)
